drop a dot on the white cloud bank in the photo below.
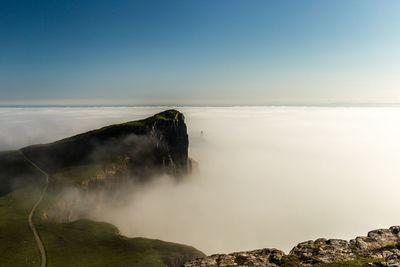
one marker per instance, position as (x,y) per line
(269,176)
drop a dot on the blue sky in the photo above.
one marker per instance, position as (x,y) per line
(199,52)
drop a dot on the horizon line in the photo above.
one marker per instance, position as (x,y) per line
(367,104)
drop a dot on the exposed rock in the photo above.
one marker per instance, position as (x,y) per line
(390,261)
(74,201)
(379,248)
(108,179)
(378,243)
(261,257)
(323,251)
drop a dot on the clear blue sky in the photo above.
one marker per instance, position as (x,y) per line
(199,52)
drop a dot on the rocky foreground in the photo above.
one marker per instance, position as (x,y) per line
(379,248)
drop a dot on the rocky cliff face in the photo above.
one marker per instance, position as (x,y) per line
(102,162)
(158,143)
(379,248)
(109,179)
(165,148)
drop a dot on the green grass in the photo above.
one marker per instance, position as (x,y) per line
(79,243)
(75,175)
(79,149)
(165,115)
(17,245)
(88,243)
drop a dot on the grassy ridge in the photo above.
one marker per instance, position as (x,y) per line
(79,243)
(88,243)
(81,148)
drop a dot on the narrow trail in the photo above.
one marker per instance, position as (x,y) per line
(31,225)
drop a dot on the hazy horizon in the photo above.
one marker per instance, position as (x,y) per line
(174,106)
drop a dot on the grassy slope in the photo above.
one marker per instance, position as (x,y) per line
(17,245)
(75,175)
(88,243)
(80,243)
(15,171)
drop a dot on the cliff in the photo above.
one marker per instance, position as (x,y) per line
(379,248)
(156,144)
(103,161)
(92,163)
(143,148)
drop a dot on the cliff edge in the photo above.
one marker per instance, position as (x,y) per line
(139,149)
(159,141)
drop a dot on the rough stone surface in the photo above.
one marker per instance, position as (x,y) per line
(323,251)
(381,244)
(261,257)
(378,243)
(391,261)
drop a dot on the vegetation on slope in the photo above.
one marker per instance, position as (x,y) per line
(83,242)
(79,243)
(75,175)
(15,171)
(88,243)
(17,245)
(106,143)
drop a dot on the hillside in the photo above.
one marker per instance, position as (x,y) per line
(91,161)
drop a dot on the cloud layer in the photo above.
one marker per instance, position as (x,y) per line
(269,176)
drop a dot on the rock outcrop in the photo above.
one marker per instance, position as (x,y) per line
(108,179)
(379,248)
(100,163)
(260,257)
(156,144)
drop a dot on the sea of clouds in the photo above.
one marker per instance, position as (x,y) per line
(268,176)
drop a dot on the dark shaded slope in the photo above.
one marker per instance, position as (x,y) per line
(15,172)
(158,143)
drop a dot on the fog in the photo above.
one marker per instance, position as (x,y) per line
(268,176)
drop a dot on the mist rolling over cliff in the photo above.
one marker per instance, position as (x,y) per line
(200,133)
(268,176)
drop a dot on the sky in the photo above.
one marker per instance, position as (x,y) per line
(207,52)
